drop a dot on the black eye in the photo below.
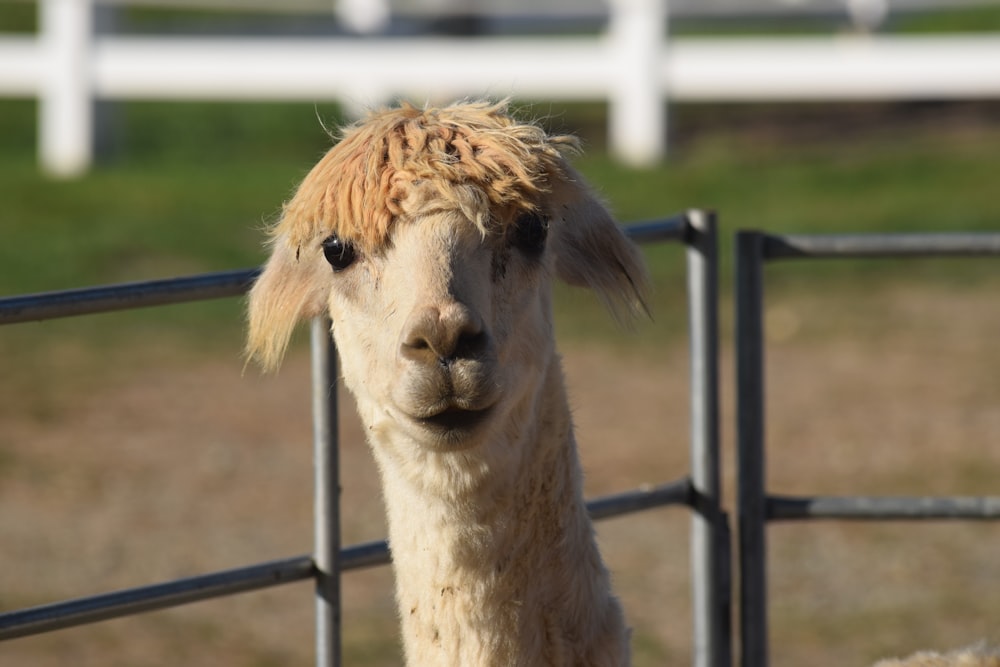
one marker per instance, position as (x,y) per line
(529,233)
(339,253)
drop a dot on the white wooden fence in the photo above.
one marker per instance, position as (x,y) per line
(631,65)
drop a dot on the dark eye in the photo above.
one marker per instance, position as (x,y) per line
(339,253)
(530,230)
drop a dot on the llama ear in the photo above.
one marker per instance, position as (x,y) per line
(591,250)
(290,289)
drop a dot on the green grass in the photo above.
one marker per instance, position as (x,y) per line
(18,17)
(188,192)
(940,20)
(964,20)
(186,188)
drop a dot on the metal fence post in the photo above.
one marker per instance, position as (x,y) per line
(327,494)
(709,536)
(749,292)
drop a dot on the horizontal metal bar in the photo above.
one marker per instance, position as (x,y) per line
(130,601)
(783,508)
(674,228)
(674,493)
(81,611)
(367,554)
(680,492)
(88,300)
(148,598)
(880,245)
(124,296)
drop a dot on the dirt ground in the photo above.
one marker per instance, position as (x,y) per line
(176,464)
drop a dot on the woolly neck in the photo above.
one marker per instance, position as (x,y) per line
(498,565)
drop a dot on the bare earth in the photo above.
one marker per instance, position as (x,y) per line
(178,464)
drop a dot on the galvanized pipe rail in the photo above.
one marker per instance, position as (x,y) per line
(174,593)
(881,508)
(756,507)
(125,296)
(700,491)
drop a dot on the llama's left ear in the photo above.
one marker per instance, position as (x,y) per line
(292,287)
(591,250)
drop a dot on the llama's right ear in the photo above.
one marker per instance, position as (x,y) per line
(591,250)
(291,288)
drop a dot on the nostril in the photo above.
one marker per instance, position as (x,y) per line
(444,334)
(470,344)
(416,342)
(416,345)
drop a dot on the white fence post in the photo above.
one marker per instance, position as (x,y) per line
(636,110)
(364,16)
(65,106)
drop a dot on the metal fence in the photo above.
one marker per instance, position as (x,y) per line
(756,505)
(700,490)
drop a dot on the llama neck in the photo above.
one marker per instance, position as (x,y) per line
(495,559)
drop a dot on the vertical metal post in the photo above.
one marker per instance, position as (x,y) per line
(326,511)
(709,536)
(749,291)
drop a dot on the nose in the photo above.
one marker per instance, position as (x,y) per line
(443,334)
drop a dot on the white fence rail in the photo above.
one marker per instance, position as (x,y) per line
(631,65)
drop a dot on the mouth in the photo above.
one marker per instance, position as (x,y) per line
(455,419)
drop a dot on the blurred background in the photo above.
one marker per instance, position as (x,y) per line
(144,139)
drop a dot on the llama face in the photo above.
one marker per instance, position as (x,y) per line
(443,331)
(430,236)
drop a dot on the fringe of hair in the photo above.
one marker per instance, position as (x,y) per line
(358,188)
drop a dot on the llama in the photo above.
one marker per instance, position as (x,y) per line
(431,237)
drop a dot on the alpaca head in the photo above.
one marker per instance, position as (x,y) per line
(431,236)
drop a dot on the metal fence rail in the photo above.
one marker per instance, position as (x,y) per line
(785,508)
(756,507)
(174,593)
(700,491)
(109,298)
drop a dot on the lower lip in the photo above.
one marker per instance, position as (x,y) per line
(454,419)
